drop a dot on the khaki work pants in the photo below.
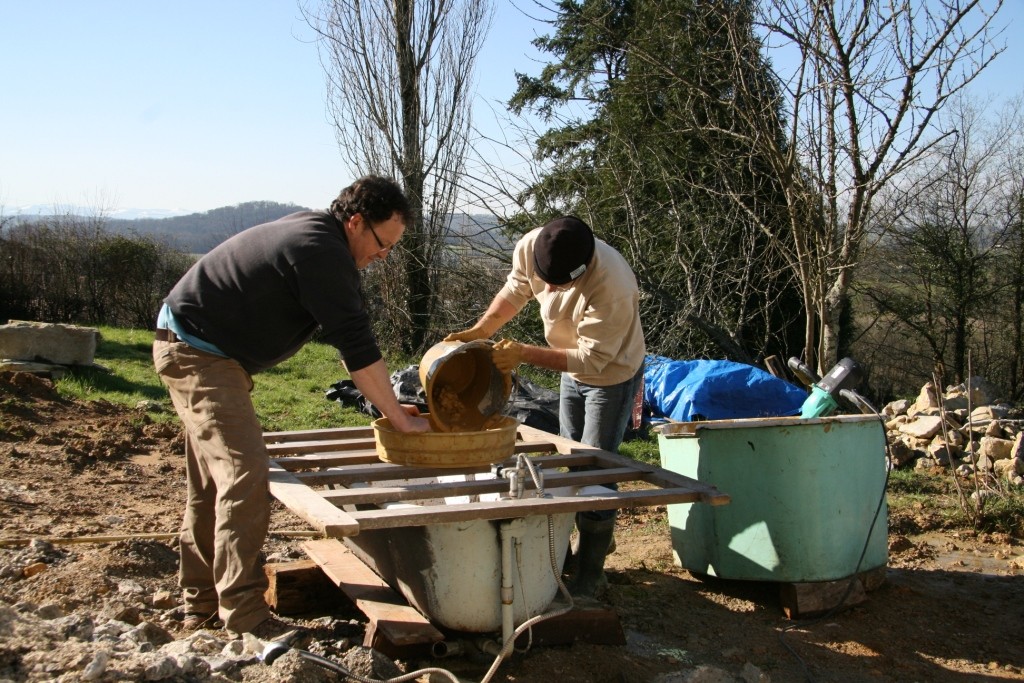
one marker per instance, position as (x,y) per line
(227,512)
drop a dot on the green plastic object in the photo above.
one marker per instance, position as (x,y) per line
(819,403)
(804,496)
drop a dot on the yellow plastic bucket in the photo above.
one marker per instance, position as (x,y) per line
(465,391)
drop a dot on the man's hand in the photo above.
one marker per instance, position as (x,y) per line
(507,355)
(408,423)
(465,336)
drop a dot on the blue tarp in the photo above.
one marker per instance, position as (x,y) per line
(685,390)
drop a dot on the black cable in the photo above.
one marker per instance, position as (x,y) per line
(853,578)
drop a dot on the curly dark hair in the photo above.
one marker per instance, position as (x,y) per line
(374,197)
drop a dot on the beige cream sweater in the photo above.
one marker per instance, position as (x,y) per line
(596,318)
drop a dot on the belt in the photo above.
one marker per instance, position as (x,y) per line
(165,335)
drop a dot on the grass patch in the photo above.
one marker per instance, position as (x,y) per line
(1004,513)
(287,397)
(925,500)
(642,449)
(124,374)
(290,396)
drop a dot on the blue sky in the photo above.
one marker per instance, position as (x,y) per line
(191,105)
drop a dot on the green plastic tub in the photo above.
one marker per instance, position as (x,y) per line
(804,492)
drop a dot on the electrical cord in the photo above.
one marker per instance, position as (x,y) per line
(861,402)
(275,649)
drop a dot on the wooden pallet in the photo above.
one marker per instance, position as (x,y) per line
(316,473)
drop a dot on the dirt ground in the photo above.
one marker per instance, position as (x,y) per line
(951,607)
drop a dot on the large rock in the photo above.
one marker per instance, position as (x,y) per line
(1018,447)
(995,448)
(48,343)
(897,407)
(981,391)
(924,427)
(985,414)
(901,453)
(928,399)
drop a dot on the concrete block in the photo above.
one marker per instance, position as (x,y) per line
(48,342)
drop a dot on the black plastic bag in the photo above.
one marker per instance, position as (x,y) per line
(345,392)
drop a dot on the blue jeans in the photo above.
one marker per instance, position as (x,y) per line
(596,416)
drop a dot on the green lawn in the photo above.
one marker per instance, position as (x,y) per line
(288,397)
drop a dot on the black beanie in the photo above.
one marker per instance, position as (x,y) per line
(563,250)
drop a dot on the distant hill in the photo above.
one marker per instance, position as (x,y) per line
(197,233)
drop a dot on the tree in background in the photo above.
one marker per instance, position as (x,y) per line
(71,269)
(858,95)
(940,241)
(621,153)
(399,82)
(861,99)
(1013,262)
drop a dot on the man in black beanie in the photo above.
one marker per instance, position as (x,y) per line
(589,303)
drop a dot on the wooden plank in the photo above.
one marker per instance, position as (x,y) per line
(326,433)
(677,430)
(310,454)
(326,446)
(667,479)
(310,505)
(303,462)
(387,611)
(587,624)
(510,509)
(802,600)
(777,367)
(299,587)
(392,494)
(650,473)
(535,446)
(384,471)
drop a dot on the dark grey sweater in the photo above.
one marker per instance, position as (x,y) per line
(260,295)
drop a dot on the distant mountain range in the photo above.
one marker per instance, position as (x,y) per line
(197,233)
(42,210)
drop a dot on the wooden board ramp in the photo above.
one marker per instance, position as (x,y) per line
(388,613)
(321,475)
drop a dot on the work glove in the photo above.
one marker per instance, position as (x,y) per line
(507,355)
(465,336)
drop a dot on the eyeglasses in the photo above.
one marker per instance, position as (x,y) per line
(383,247)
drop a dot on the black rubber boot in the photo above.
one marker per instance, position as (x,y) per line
(572,563)
(595,540)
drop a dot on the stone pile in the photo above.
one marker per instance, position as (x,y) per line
(42,643)
(131,632)
(962,429)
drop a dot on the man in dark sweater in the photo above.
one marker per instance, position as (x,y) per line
(247,305)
